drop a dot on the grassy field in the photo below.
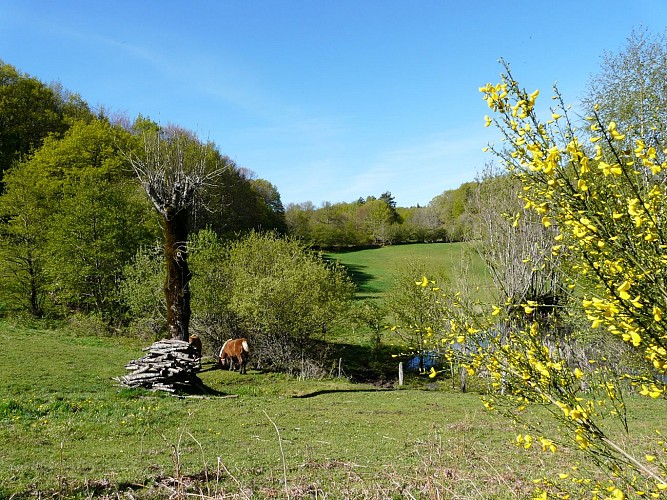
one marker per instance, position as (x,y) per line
(67,431)
(373,270)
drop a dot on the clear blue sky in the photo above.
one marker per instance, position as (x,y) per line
(329,100)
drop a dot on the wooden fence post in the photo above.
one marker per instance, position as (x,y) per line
(400,373)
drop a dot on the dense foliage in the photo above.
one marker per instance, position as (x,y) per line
(72,212)
(30,111)
(270,289)
(375,221)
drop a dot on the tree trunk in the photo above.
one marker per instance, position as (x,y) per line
(34,287)
(177,283)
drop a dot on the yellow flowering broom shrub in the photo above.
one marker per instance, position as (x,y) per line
(606,202)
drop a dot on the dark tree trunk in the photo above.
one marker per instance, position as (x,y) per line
(177,283)
(35,289)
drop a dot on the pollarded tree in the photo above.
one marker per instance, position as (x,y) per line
(175,169)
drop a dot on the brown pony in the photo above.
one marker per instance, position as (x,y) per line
(196,343)
(235,349)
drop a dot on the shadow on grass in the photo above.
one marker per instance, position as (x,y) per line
(338,391)
(361,278)
(199,388)
(366,363)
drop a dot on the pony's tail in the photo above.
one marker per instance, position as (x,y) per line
(245,346)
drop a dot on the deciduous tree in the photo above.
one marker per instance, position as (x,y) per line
(71,216)
(29,112)
(175,169)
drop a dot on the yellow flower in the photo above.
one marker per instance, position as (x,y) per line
(654,391)
(616,494)
(657,313)
(578,414)
(547,445)
(615,133)
(623,290)
(607,169)
(423,282)
(525,441)
(487,121)
(433,373)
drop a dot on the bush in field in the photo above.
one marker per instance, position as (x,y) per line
(213,317)
(142,292)
(288,298)
(414,311)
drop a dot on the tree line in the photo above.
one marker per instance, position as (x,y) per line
(377,221)
(72,210)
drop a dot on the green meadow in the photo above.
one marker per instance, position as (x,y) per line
(68,431)
(373,270)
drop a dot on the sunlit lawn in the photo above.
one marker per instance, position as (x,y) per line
(373,270)
(66,429)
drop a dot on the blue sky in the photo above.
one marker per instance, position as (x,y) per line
(328,100)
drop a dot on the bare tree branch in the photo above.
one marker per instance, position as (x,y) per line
(174,169)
